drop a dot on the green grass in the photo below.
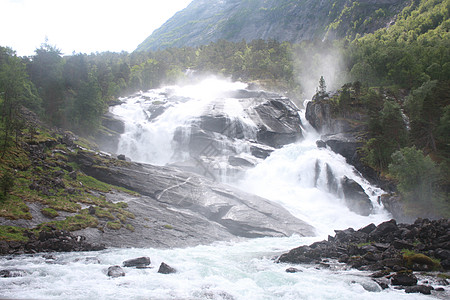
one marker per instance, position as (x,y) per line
(49,212)
(72,223)
(114,225)
(412,257)
(14,208)
(101,213)
(37,183)
(12,233)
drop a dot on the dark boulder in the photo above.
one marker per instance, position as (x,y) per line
(423,289)
(404,279)
(166,269)
(368,229)
(13,273)
(293,270)
(355,197)
(115,271)
(321,144)
(139,262)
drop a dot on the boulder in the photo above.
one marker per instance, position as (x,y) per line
(321,144)
(423,289)
(293,270)
(355,197)
(385,231)
(139,262)
(404,279)
(166,269)
(115,271)
(13,273)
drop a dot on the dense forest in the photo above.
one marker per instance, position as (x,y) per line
(399,76)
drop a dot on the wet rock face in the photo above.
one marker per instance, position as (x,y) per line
(355,197)
(278,122)
(188,203)
(318,114)
(268,120)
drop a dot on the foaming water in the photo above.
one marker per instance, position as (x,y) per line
(244,270)
(305,179)
(150,140)
(296,176)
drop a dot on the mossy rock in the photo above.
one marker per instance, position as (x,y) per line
(114,225)
(413,258)
(101,213)
(49,212)
(129,227)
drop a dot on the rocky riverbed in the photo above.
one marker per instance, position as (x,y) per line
(399,255)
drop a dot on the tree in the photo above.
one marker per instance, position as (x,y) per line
(13,83)
(417,176)
(46,69)
(6,184)
(322,90)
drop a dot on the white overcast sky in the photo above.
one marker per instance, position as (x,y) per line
(82,25)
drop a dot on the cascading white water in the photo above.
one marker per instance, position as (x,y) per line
(151,141)
(224,270)
(296,177)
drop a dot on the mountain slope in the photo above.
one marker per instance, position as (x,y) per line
(205,21)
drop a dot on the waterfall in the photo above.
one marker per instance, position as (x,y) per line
(300,176)
(159,127)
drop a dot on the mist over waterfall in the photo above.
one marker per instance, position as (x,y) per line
(214,128)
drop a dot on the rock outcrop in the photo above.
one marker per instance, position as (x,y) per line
(342,135)
(391,250)
(175,207)
(50,241)
(355,197)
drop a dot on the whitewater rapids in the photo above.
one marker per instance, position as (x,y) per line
(223,270)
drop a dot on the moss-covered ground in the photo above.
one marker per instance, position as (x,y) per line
(43,171)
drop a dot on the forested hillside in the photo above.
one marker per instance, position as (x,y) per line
(399,76)
(205,21)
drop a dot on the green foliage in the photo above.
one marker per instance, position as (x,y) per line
(413,258)
(387,131)
(425,110)
(49,212)
(6,185)
(418,178)
(12,233)
(415,172)
(114,225)
(412,51)
(73,223)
